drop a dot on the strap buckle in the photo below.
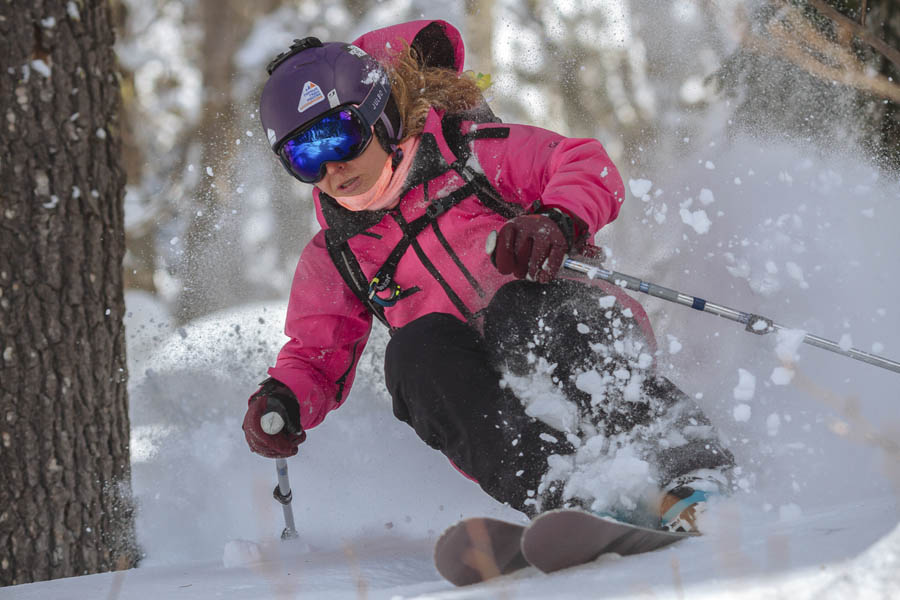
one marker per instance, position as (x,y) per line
(384,282)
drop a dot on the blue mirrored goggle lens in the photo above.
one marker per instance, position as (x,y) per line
(336,137)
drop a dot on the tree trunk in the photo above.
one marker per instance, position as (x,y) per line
(480,35)
(65,501)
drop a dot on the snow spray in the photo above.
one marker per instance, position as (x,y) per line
(753,323)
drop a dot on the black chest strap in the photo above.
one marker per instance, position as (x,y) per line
(346,264)
(460,145)
(383,291)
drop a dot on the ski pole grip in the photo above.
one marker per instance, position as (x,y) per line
(490,246)
(275,417)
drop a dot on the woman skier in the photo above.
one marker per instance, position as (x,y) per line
(414,178)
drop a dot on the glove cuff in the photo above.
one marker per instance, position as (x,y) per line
(573,228)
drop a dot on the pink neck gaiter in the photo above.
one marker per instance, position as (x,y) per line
(385,192)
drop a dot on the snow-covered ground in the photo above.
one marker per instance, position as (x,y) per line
(807,240)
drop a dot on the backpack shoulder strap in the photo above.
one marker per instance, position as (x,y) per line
(350,271)
(460,144)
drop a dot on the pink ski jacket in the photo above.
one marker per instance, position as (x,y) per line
(446,268)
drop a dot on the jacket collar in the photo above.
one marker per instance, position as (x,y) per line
(432,159)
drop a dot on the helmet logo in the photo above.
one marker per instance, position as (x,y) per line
(270,133)
(310,96)
(333,98)
(356,51)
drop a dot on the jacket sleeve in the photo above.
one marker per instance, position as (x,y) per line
(328,328)
(573,174)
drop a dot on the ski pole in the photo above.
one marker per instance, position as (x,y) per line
(753,323)
(283,494)
(272,423)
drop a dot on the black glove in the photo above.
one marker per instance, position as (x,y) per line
(274,396)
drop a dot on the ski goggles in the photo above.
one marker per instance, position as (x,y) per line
(339,135)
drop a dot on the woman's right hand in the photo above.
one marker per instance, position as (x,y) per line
(531,246)
(273,396)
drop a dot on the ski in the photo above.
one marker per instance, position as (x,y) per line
(478,549)
(564,538)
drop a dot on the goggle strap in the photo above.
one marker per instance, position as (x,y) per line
(375,101)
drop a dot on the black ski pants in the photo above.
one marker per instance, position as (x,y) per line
(444,377)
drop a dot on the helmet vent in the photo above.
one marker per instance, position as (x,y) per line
(297,47)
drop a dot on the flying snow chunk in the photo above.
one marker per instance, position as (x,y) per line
(746,387)
(741,413)
(607,301)
(796,273)
(674,344)
(706,197)
(644,360)
(659,213)
(773,424)
(846,342)
(782,376)
(787,343)
(542,399)
(640,188)
(239,553)
(591,382)
(697,220)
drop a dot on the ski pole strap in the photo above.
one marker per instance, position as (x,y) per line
(282,491)
(760,325)
(278,495)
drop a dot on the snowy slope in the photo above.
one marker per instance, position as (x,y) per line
(786,561)
(807,240)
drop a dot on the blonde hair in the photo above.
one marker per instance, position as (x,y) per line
(417,88)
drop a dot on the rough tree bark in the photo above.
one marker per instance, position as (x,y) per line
(65,501)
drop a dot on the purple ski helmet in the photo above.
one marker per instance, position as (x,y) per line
(311,78)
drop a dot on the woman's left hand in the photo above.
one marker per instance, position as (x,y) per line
(531,246)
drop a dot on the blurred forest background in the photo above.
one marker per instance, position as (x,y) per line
(212,220)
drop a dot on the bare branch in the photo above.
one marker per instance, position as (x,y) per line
(892,54)
(794,39)
(878,85)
